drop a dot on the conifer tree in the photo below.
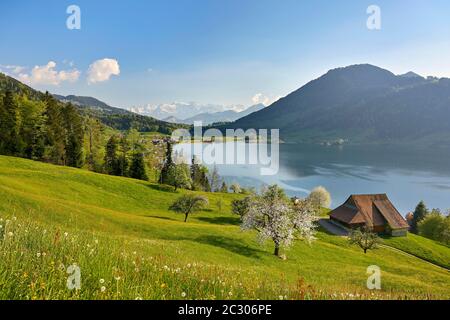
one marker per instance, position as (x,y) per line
(111,161)
(74,136)
(137,168)
(8,124)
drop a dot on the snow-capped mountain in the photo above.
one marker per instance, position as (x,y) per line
(182,110)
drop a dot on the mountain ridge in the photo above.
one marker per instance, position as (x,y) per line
(360,104)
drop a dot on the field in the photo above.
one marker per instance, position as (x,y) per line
(128,245)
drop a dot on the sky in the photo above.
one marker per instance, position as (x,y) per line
(228,52)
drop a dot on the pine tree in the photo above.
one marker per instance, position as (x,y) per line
(137,168)
(420,213)
(74,136)
(168,163)
(55,131)
(93,131)
(124,148)
(111,160)
(224,187)
(31,135)
(8,124)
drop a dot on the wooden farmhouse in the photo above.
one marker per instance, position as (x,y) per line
(374,211)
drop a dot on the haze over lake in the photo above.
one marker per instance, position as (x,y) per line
(405,174)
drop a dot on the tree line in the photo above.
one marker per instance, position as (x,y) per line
(432,224)
(42,130)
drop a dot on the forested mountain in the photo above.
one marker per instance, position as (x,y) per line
(361,104)
(118,118)
(115,118)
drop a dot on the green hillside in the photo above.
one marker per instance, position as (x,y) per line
(124,215)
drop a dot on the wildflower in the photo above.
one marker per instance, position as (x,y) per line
(280,297)
(103,289)
(38,254)
(189,265)
(230,293)
(66,234)
(102,281)
(138,298)
(14,218)
(10,234)
(183,294)
(163,285)
(96,241)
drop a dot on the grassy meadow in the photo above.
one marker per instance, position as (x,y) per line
(128,245)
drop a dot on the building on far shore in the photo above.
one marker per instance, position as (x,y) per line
(372,210)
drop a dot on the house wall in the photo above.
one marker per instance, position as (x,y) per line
(399,232)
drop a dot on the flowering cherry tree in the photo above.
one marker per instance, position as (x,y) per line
(274,217)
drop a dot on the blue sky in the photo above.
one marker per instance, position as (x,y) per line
(212,51)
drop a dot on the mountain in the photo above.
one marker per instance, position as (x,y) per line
(360,104)
(91,102)
(173,120)
(181,110)
(224,116)
(116,118)
(410,74)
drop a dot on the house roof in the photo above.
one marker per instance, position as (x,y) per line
(372,209)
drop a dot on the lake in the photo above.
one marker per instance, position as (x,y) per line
(405,174)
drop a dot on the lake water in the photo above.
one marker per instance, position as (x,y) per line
(406,175)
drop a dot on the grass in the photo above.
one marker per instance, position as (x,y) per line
(127,216)
(423,248)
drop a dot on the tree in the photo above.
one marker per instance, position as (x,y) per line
(168,163)
(419,214)
(8,124)
(241,206)
(236,188)
(111,160)
(214,179)
(122,158)
(137,168)
(275,218)
(188,204)
(320,197)
(364,238)
(199,176)
(435,226)
(74,139)
(224,187)
(55,132)
(179,176)
(94,133)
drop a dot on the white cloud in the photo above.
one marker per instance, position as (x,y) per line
(47,75)
(13,69)
(265,100)
(260,98)
(101,70)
